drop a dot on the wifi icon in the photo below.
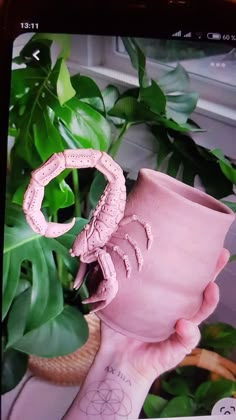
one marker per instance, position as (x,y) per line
(199,35)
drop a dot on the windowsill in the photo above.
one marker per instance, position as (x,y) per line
(204,107)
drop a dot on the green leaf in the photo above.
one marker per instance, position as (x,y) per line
(181,406)
(232,258)
(208,393)
(10,283)
(88,91)
(61,335)
(58,195)
(110,95)
(23,285)
(181,152)
(129,109)
(22,245)
(230,204)
(21,81)
(26,113)
(176,80)
(17,317)
(14,365)
(97,187)
(153,405)
(176,386)
(220,337)
(65,90)
(32,45)
(18,195)
(174,126)
(67,240)
(180,103)
(12,132)
(62,40)
(180,107)
(154,98)
(47,139)
(137,58)
(228,170)
(85,126)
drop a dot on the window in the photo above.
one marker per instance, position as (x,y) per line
(216,61)
(211,66)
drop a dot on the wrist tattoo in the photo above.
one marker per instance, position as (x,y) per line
(105,399)
(119,374)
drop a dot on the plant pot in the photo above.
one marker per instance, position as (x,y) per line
(188,228)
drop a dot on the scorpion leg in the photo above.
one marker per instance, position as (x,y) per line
(134,218)
(124,257)
(108,287)
(137,250)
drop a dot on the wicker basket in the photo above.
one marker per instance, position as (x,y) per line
(217,365)
(72,369)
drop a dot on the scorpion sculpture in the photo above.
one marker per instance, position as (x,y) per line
(92,242)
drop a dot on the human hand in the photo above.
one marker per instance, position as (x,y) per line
(152,359)
(125,368)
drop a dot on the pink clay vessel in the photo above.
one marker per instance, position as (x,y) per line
(156,253)
(188,232)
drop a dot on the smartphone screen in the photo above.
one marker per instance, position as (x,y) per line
(163,100)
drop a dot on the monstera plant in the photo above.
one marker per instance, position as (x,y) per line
(50,111)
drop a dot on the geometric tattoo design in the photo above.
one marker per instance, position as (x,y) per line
(105,399)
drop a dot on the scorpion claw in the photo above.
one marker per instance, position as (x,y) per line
(80,275)
(98,306)
(104,295)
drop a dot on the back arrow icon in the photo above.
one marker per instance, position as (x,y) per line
(36,54)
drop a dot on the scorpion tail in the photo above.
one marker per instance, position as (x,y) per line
(54,230)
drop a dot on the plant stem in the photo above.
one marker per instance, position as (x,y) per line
(62,273)
(75,179)
(116,144)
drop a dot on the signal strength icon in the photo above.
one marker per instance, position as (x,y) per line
(188,35)
(177,34)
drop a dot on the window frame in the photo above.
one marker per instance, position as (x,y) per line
(96,56)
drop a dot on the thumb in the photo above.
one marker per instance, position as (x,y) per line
(187,334)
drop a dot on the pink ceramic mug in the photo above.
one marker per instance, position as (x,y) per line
(188,228)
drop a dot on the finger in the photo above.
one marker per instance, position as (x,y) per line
(187,334)
(211,297)
(222,261)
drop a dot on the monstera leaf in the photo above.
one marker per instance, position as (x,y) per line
(83,124)
(182,156)
(48,115)
(170,95)
(30,256)
(137,59)
(61,335)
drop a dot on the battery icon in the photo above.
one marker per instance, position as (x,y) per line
(214,36)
